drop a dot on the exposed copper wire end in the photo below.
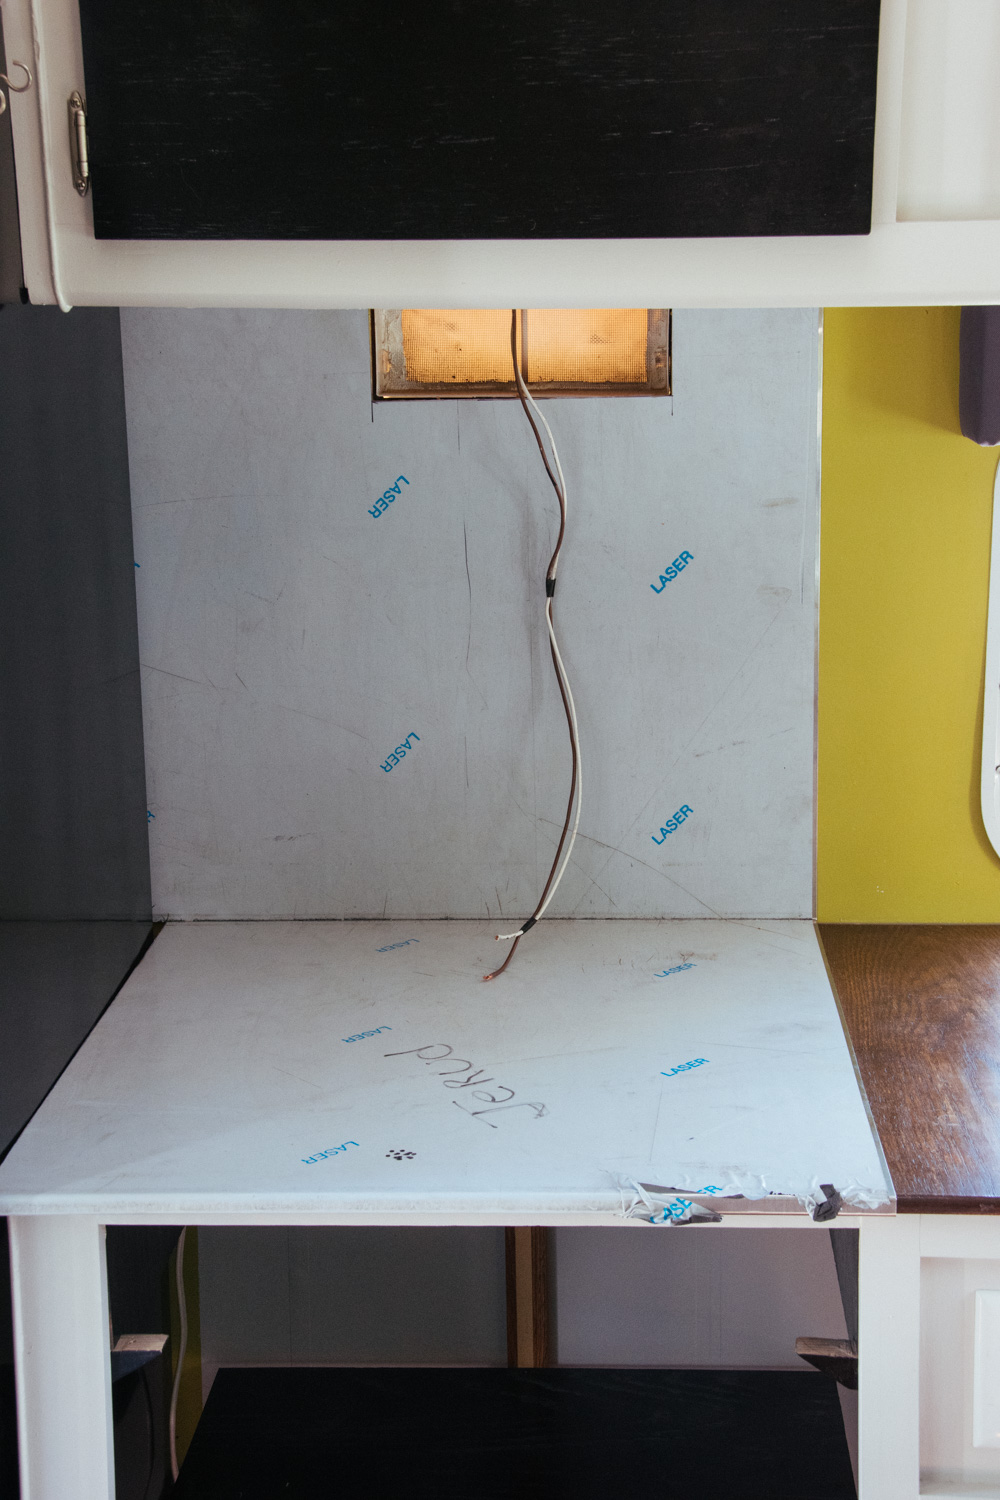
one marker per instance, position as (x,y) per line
(497,972)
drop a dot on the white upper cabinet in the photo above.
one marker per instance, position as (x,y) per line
(563,153)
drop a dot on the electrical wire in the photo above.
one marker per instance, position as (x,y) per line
(562,858)
(181,1351)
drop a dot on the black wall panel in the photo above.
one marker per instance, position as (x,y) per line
(234,119)
(56,979)
(73,803)
(74,868)
(979,375)
(10,239)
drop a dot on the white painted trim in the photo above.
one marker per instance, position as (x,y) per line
(958,1489)
(990,771)
(26,131)
(960,1236)
(889,1360)
(63,1365)
(896,265)
(986,1369)
(888,110)
(499,1219)
(51,158)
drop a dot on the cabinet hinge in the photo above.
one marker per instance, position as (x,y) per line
(78,143)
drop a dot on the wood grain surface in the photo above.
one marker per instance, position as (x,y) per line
(528,1297)
(922,1007)
(529,119)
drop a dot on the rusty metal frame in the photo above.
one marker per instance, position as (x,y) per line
(390,381)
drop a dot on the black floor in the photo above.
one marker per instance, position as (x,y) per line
(9,1489)
(478,1434)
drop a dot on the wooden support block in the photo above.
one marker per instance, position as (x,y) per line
(836,1357)
(527,1298)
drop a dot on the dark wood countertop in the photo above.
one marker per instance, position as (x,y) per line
(922,1006)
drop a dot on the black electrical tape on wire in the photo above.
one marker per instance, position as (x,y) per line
(550,587)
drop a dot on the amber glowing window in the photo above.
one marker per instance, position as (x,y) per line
(595,351)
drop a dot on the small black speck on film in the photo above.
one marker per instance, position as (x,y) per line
(400,1154)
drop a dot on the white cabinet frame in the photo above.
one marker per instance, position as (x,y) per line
(990,778)
(898,263)
(63,1361)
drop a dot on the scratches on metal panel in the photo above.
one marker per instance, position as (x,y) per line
(198,681)
(297,1077)
(468,579)
(321,719)
(720,697)
(656,1126)
(634,858)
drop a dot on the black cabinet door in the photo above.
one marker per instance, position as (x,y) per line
(479,119)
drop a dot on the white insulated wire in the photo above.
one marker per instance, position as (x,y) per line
(506,936)
(579,766)
(181,1351)
(503,937)
(552,443)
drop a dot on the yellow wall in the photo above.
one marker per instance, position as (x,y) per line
(907,505)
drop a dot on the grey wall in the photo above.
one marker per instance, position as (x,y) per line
(351,1296)
(290,640)
(436,1296)
(732,1300)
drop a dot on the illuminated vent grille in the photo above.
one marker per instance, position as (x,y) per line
(434,352)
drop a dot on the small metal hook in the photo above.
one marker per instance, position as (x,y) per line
(15,88)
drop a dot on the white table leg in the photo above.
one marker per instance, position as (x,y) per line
(889,1359)
(61,1350)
